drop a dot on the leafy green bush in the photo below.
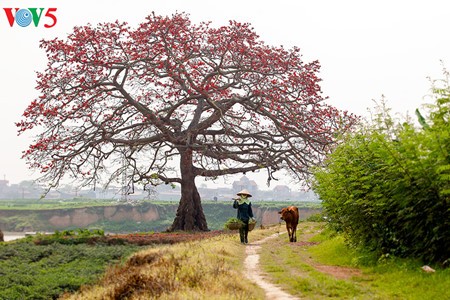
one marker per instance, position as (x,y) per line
(69,237)
(316,218)
(387,185)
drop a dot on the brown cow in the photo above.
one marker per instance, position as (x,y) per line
(290,216)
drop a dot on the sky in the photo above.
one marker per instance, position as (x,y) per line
(367,50)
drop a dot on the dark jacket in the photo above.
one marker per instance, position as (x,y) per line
(244,211)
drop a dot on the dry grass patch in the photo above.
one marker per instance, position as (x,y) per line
(194,270)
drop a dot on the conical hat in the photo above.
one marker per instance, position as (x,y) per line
(244,192)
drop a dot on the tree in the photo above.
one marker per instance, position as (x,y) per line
(126,102)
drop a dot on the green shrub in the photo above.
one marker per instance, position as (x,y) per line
(69,237)
(316,218)
(387,185)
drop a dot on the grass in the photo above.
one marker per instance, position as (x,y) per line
(392,278)
(313,270)
(290,267)
(41,204)
(318,266)
(207,269)
(45,204)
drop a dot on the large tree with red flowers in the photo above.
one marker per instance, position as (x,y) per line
(124,103)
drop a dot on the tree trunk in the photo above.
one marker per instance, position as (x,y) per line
(190,216)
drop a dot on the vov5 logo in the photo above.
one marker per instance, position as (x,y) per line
(24,16)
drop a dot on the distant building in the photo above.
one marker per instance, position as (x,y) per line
(282,192)
(245,183)
(3,185)
(31,190)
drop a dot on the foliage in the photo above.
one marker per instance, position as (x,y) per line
(319,217)
(137,89)
(29,271)
(387,185)
(69,237)
(217,213)
(218,99)
(233,223)
(277,205)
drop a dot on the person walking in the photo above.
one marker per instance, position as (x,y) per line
(244,213)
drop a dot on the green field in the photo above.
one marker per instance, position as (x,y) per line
(34,215)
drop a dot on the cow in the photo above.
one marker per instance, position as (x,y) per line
(290,216)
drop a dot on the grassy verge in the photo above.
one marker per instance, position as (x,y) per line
(321,266)
(206,269)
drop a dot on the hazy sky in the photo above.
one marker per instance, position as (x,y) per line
(366,49)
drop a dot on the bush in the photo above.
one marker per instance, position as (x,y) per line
(69,237)
(316,218)
(387,185)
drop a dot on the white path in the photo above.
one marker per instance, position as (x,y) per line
(254,273)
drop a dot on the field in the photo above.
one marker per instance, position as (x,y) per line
(318,266)
(38,204)
(46,266)
(50,215)
(42,204)
(43,272)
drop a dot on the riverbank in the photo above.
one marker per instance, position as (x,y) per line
(11,236)
(144,217)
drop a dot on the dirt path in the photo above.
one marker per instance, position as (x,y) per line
(273,292)
(254,273)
